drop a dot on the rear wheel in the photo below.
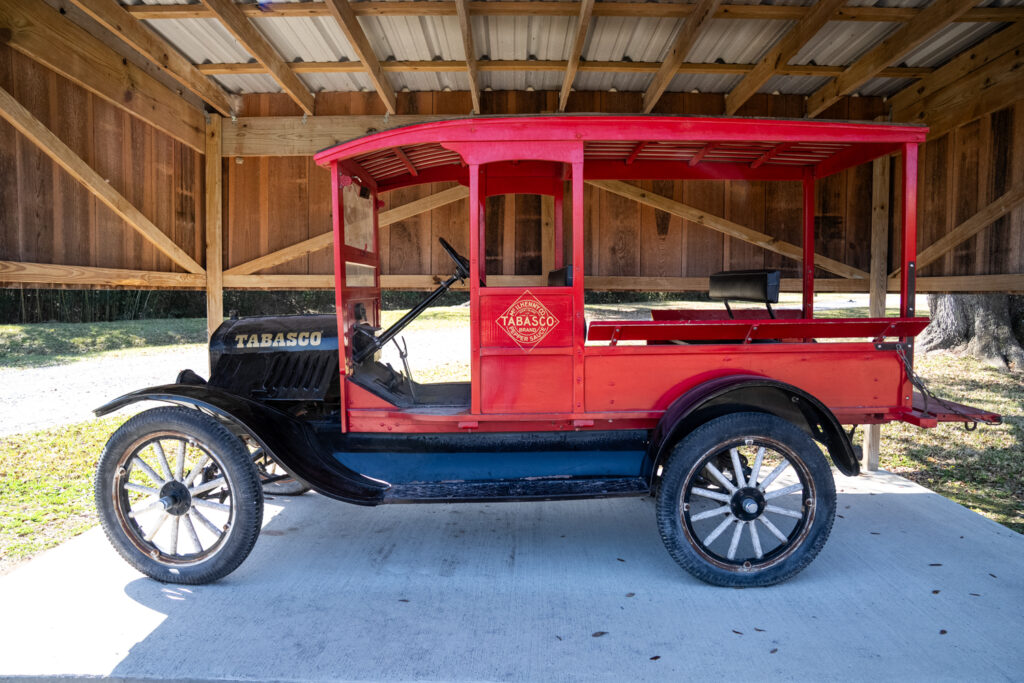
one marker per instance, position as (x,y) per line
(746,499)
(178,496)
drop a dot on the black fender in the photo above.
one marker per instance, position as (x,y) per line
(733,393)
(293,443)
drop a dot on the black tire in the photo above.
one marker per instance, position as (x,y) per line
(711,521)
(208,489)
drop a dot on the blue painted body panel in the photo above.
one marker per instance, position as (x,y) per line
(404,468)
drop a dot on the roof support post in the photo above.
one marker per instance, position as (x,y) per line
(578,324)
(214,228)
(909,242)
(808,244)
(337,211)
(871,446)
(476,207)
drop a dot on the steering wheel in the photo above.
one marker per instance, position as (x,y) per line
(461,262)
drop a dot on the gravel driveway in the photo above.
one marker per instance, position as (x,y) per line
(35,398)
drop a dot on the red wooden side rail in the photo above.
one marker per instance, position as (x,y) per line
(749,330)
(721,314)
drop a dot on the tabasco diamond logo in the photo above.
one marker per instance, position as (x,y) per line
(527,321)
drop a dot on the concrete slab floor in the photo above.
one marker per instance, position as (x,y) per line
(910,586)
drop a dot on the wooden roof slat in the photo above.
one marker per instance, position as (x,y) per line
(449,66)
(582,26)
(342,12)
(235,21)
(462,8)
(780,54)
(935,17)
(566,8)
(143,40)
(681,46)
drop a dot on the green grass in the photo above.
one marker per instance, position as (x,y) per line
(982,470)
(23,346)
(46,486)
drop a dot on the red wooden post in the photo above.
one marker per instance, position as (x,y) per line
(337,211)
(475,245)
(909,223)
(579,325)
(808,261)
(559,230)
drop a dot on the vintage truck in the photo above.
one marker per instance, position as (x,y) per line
(729,421)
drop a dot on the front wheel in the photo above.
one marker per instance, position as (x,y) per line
(747,499)
(178,496)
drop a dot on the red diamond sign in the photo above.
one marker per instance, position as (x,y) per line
(527,321)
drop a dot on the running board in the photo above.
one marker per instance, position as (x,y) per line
(515,490)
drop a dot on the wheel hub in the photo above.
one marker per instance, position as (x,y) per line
(176,498)
(747,503)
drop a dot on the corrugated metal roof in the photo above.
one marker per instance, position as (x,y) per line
(637,39)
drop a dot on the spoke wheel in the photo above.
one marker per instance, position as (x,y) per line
(747,500)
(178,496)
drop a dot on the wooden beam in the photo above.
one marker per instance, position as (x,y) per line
(235,21)
(565,8)
(33,129)
(291,136)
(991,48)
(724,226)
(214,227)
(349,24)
(780,54)
(989,88)
(935,17)
(449,66)
(41,33)
(462,7)
(582,26)
(17,272)
(325,240)
(871,445)
(113,17)
(687,36)
(1009,201)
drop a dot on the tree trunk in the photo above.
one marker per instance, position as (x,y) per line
(989,327)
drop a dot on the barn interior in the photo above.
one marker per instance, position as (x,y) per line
(160,144)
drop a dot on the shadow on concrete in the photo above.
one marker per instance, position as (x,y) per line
(910,584)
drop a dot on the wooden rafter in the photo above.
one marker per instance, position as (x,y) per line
(935,17)
(582,26)
(33,129)
(702,152)
(324,240)
(235,21)
(452,66)
(39,32)
(566,8)
(681,46)
(723,225)
(1009,201)
(469,47)
(342,12)
(143,40)
(979,56)
(780,54)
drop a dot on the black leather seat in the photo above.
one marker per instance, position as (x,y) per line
(561,277)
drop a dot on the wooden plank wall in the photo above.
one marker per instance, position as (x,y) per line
(272,202)
(48,217)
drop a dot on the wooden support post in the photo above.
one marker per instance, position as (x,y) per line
(547,234)
(876,304)
(214,227)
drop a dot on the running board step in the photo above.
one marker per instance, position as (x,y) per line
(515,489)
